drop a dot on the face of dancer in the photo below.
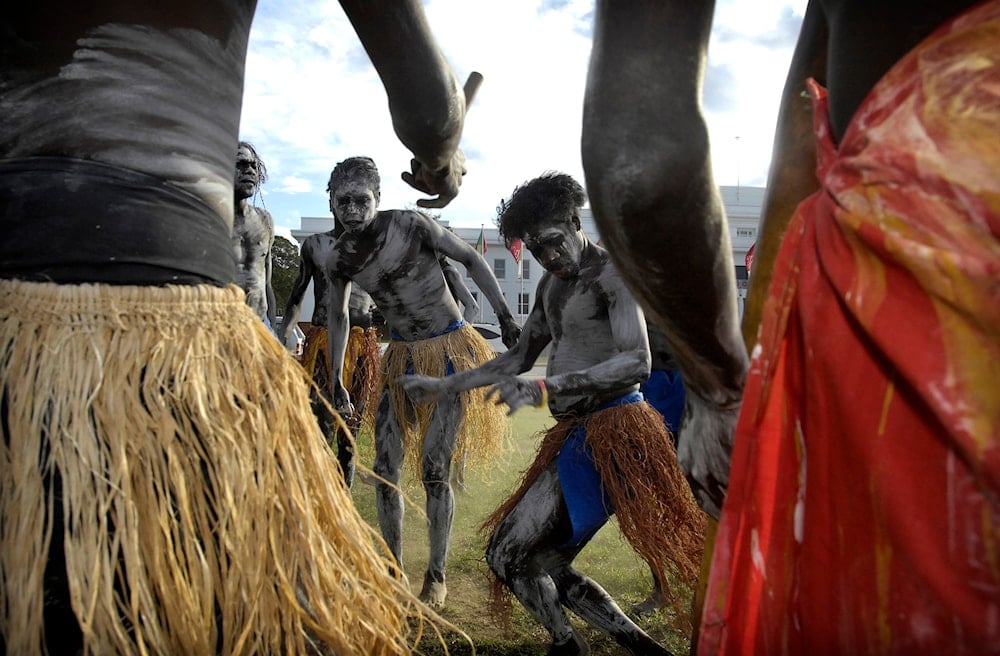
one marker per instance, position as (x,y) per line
(247,177)
(557,245)
(353,203)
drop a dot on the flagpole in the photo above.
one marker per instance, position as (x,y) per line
(482,254)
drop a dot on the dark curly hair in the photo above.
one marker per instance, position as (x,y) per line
(551,196)
(354,167)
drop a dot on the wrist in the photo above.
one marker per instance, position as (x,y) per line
(544,393)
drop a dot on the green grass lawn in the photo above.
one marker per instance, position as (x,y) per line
(608,559)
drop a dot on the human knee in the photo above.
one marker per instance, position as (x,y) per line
(435,472)
(504,561)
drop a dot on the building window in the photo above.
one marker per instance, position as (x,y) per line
(499,269)
(526,269)
(742,277)
(523,303)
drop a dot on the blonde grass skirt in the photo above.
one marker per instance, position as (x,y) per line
(484,425)
(203,509)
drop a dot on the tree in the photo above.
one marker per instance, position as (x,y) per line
(284,270)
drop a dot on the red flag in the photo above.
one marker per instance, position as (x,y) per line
(481,243)
(749,259)
(515,250)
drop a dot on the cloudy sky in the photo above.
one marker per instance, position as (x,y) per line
(312,98)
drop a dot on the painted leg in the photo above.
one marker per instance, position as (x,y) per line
(587,599)
(439,444)
(518,553)
(653,602)
(388,462)
(333,434)
(345,456)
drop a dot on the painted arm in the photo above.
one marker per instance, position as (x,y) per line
(425,98)
(338,330)
(632,360)
(792,176)
(294,304)
(649,179)
(460,290)
(451,246)
(272,303)
(505,367)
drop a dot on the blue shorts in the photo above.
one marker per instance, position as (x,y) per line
(588,504)
(664,390)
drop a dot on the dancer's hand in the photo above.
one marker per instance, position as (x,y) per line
(704,449)
(342,400)
(517,392)
(443,182)
(423,389)
(510,332)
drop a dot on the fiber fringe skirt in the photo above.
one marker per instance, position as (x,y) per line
(202,510)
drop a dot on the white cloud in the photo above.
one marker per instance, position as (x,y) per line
(312,98)
(291,184)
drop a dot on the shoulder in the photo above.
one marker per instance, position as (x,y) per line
(415,223)
(610,281)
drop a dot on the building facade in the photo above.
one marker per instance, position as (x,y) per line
(518,280)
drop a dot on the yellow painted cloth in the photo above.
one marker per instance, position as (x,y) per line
(204,513)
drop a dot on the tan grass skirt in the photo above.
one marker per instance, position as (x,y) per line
(203,509)
(484,425)
(361,367)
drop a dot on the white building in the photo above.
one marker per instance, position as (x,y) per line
(743,205)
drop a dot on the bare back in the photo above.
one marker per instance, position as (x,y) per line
(172,73)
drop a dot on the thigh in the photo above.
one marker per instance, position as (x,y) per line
(539,525)
(442,431)
(388,437)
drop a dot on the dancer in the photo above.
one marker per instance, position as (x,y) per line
(394,255)
(149,421)
(609,451)
(253,235)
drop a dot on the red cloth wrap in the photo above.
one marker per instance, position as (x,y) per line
(863,514)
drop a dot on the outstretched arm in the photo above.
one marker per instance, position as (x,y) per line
(425,99)
(501,369)
(451,246)
(651,189)
(792,176)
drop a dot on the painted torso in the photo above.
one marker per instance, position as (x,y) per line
(578,320)
(393,262)
(253,238)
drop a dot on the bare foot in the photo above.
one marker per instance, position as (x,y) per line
(647,607)
(433,593)
(576,646)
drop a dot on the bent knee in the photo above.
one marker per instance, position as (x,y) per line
(504,560)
